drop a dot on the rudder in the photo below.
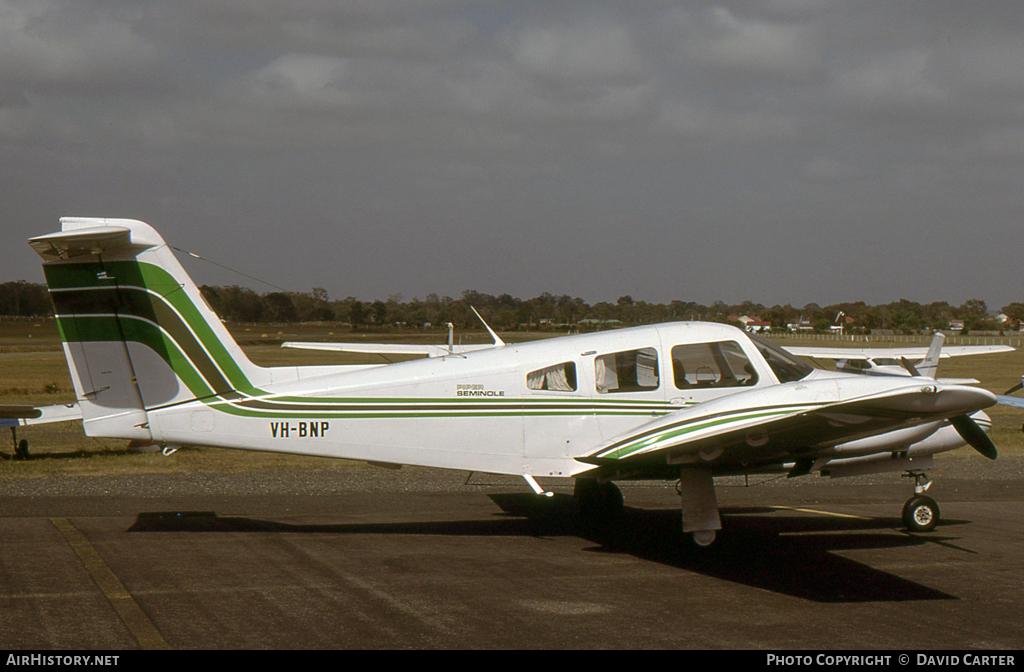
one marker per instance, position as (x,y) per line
(137,333)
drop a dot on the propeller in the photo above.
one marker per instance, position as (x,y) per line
(974,435)
(911,369)
(1015,387)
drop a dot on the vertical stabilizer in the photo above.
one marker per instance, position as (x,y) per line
(137,333)
(929,366)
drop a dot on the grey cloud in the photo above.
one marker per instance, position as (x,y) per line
(715,151)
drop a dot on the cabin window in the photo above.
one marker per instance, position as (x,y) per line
(723,364)
(628,371)
(560,378)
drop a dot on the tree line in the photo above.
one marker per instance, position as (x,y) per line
(506,312)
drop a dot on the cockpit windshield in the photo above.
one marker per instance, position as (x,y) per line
(786,367)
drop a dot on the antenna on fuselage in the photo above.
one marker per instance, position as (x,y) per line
(497,340)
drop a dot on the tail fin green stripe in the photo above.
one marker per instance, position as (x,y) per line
(93,287)
(84,328)
(133,302)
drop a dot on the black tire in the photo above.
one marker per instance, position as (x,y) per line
(920,514)
(598,502)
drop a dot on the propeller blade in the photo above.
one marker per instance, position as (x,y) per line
(1014,388)
(909,366)
(975,436)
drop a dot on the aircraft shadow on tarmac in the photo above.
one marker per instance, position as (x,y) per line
(793,555)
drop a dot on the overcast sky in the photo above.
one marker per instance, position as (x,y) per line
(780,151)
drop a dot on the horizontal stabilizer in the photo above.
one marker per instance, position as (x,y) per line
(84,236)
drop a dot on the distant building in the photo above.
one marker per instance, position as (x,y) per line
(753,324)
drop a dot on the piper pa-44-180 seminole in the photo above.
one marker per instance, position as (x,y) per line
(684,402)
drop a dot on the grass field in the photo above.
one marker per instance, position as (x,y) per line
(33,371)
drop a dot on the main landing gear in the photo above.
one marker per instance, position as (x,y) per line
(920,513)
(598,502)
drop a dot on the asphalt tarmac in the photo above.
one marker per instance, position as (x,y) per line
(368,558)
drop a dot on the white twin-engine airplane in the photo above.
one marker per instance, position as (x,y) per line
(683,401)
(899,361)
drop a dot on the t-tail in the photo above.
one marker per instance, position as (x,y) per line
(137,334)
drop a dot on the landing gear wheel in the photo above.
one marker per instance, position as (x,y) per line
(920,514)
(704,538)
(598,502)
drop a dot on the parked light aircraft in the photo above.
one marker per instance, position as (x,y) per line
(15,416)
(21,416)
(1007,400)
(150,361)
(898,361)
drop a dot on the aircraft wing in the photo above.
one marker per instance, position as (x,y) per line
(17,415)
(1007,400)
(895,353)
(779,424)
(387,348)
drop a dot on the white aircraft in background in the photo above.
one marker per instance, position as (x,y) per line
(682,402)
(1006,399)
(23,415)
(15,416)
(899,361)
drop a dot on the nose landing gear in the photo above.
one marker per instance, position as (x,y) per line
(920,513)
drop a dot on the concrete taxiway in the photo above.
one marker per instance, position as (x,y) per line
(368,558)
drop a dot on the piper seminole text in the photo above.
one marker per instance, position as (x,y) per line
(471,390)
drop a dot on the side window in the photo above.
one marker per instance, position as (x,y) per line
(711,365)
(560,377)
(628,371)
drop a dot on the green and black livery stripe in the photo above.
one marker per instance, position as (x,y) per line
(651,439)
(140,302)
(131,301)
